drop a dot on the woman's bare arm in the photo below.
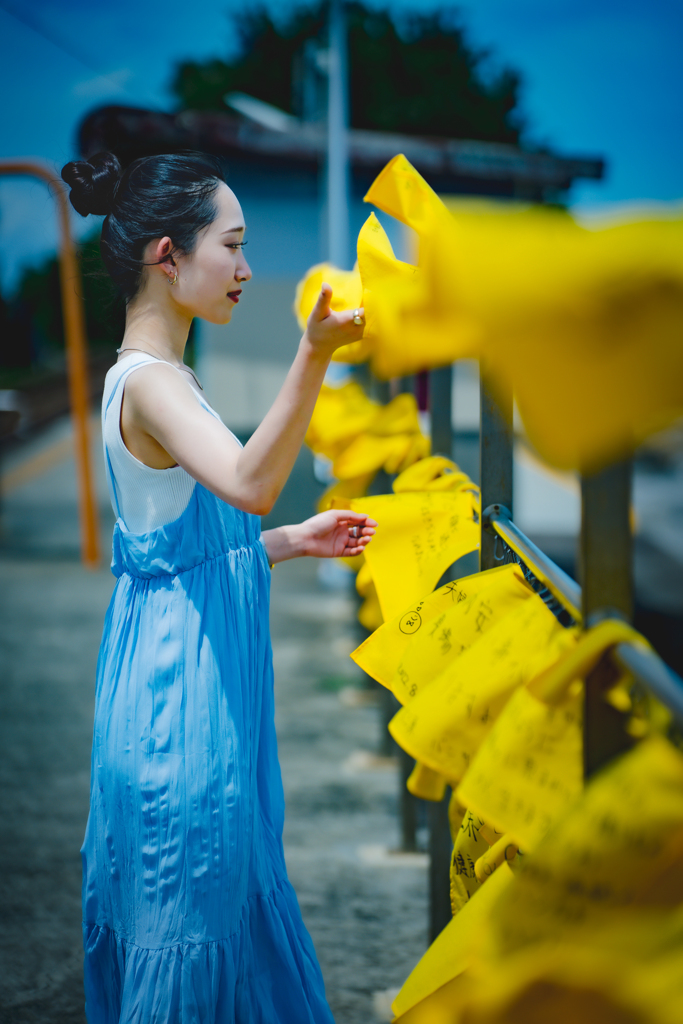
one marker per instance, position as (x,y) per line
(160,404)
(330,534)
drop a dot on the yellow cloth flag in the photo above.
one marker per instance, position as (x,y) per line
(624,972)
(426,784)
(392,439)
(418,536)
(378,269)
(468,847)
(340,415)
(404,331)
(368,453)
(594,919)
(370,613)
(347,293)
(583,325)
(445,724)
(452,952)
(435,473)
(380,655)
(361,436)
(529,768)
(619,845)
(402,192)
(353,487)
(433,650)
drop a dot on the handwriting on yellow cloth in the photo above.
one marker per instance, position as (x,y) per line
(619,845)
(590,928)
(419,535)
(445,724)
(382,653)
(454,631)
(594,919)
(468,846)
(529,768)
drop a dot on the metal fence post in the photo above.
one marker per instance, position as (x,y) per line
(408,803)
(495,460)
(607,588)
(440,408)
(73,317)
(440,847)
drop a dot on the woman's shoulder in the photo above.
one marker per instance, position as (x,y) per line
(120,369)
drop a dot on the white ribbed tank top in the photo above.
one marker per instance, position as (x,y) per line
(142,497)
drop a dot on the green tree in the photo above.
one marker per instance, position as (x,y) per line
(32,339)
(31,327)
(415,73)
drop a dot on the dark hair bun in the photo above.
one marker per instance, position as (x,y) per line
(93,183)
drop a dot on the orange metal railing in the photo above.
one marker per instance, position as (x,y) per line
(76,354)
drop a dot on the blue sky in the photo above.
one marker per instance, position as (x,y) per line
(601,77)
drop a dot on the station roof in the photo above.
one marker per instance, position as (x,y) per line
(448,164)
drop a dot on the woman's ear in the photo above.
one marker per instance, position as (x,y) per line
(163,256)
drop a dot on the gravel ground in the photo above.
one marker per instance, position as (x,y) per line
(365,909)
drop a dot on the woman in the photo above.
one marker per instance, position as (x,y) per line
(188,913)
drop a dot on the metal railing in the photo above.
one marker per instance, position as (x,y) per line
(644,665)
(607,590)
(73,316)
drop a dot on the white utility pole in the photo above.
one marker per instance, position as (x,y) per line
(337,138)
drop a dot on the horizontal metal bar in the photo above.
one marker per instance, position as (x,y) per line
(649,669)
(644,665)
(497,519)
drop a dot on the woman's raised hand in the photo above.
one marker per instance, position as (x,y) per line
(327,330)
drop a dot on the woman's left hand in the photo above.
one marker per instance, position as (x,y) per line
(336,532)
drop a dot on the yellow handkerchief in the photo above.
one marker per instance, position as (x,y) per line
(620,844)
(433,650)
(347,293)
(529,769)
(418,536)
(340,415)
(435,473)
(446,723)
(381,654)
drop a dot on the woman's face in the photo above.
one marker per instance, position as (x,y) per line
(210,280)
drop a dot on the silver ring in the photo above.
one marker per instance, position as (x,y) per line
(357,318)
(353,531)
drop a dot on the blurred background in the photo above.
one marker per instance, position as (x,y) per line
(574,103)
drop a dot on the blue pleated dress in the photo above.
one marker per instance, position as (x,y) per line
(189,917)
